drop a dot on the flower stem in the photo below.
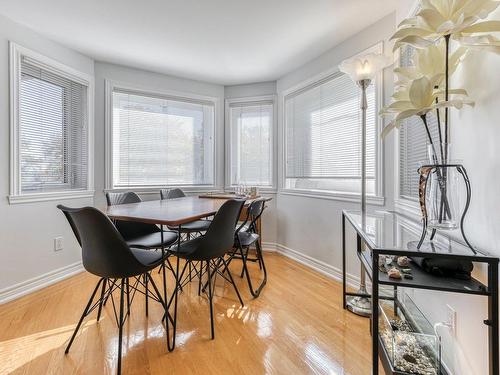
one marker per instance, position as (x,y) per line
(446,98)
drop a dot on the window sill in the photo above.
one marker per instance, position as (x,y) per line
(147,190)
(50,196)
(263,190)
(408,207)
(356,198)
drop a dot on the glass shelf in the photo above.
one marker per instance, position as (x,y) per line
(393,233)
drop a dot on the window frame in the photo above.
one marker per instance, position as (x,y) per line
(16,52)
(378,198)
(110,87)
(252,100)
(403,203)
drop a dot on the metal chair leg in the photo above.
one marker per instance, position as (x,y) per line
(146,292)
(85,312)
(101,300)
(127,284)
(255,293)
(120,326)
(232,281)
(210,296)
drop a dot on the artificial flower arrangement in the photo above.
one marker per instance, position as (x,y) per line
(424,87)
(442,33)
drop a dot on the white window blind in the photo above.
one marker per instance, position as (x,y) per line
(161,141)
(251,127)
(413,142)
(323,136)
(53,130)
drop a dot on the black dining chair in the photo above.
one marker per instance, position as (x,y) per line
(106,254)
(211,248)
(140,235)
(197,227)
(137,234)
(246,237)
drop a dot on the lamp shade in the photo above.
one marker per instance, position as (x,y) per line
(364,67)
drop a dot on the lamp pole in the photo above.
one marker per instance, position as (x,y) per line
(362,305)
(362,69)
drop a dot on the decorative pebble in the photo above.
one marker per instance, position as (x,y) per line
(407,352)
(394,273)
(403,261)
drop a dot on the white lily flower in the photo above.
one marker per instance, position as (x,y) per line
(429,62)
(417,99)
(461,19)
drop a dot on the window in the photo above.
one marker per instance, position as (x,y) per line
(323,137)
(251,141)
(413,142)
(50,150)
(159,140)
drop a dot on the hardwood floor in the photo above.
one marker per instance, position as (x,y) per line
(296,326)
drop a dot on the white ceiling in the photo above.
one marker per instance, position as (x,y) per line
(221,41)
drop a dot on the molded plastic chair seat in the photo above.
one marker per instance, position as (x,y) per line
(147,257)
(247,238)
(188,249)
(153,240)
(194,226)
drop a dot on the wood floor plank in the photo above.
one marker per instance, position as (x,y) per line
(296,326)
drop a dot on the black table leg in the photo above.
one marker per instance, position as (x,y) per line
(344,302)
(374,318)
(493,318)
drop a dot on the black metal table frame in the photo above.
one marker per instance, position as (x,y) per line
(492,291)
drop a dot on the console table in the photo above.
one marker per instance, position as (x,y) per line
(394,234)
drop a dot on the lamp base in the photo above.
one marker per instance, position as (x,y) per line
(361,306)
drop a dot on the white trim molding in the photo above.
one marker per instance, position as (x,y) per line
(315,264)
(109,87)
(16,53)
(29,286)
(253,100)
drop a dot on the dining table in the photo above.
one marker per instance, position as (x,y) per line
(173,213)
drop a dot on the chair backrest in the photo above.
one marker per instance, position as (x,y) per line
(219,237)
(104,251)
(122,198)
(254,212)
(171,193)
(129,229)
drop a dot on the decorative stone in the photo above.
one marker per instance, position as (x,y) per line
(394,273)
(403,261)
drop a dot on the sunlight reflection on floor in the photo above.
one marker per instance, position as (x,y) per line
(13,351)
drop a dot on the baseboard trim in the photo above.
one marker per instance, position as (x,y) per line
(29,286)
(317,265)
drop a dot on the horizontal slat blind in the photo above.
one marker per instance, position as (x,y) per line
(160,141)
(323,131)
(251,143)
(53,126)
(413,142)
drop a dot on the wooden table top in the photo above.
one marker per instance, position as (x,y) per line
(170,212)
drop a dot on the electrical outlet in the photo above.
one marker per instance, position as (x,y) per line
(58,244)
(451,320)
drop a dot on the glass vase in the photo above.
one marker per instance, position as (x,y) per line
(444,192)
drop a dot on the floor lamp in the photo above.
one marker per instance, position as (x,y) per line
(363,70)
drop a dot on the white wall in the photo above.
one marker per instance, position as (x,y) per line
(253,89)
(27,230)
(312,226)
